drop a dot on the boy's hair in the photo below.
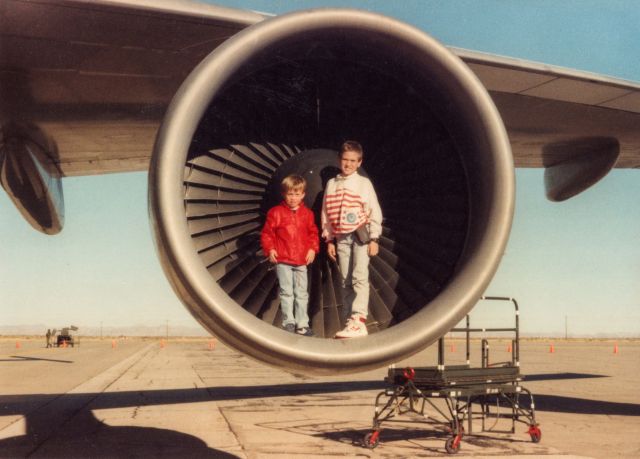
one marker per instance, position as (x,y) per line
(293,182)
(352,145)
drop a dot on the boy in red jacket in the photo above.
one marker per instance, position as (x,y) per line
(290,240)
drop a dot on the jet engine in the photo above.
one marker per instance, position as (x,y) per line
(280,97)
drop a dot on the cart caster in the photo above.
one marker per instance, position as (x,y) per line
(452,429)
(453,444)
(371,440)
(409,374)
(535,433)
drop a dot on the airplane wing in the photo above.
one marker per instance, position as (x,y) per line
(577,125)
(88,82)
(543,104)
(97,76)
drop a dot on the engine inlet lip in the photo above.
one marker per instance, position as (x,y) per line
(214,308)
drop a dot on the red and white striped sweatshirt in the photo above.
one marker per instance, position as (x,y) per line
(348,203)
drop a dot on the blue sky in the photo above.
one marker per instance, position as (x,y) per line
(578,260)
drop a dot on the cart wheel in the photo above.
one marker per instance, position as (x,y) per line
(535,433)
(372,439)
(452,445)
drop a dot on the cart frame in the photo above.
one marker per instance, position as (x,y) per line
(460,387)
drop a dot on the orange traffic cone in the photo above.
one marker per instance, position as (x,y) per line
(212,344)
(551,350)
(162,344)
(17,344)
(453,347)
(615,348)
(113,344)
(509,348)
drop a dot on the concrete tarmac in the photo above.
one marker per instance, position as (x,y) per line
(190,398)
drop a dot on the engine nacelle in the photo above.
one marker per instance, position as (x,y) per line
(280,97)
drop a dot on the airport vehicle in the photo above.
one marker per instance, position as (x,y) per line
(220,103)
(65,337)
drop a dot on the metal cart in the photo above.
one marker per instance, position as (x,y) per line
(446,396)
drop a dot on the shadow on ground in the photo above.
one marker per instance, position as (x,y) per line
(559,376)
(24,358)
(96,439)
(48,415)
(559,404)
(428,437)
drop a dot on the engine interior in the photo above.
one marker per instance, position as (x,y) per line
(287,117)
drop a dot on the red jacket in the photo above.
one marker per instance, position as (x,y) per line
(290,233)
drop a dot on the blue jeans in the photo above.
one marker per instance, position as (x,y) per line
(292,281)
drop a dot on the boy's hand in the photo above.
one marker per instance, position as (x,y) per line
(273,256)
(311,255)
(331,250)
(373,248)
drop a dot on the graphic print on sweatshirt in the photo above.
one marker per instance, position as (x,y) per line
(345,211)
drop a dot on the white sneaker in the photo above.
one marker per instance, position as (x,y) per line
(355,327)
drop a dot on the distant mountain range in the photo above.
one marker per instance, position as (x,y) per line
(191,331)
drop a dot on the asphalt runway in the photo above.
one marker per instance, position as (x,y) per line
(193,398)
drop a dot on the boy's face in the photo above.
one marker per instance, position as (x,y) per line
(350,161)
(293,198)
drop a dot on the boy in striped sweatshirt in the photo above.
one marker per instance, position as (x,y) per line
(349,203)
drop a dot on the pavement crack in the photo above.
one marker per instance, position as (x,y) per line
(231,429)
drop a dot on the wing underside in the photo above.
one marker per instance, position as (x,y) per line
(97,76)
(543,105)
